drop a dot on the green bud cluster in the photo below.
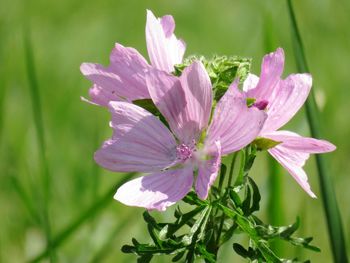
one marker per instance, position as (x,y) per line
(222,70)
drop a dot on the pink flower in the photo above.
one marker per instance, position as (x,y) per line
(124,78)
(282,99)
(142,143)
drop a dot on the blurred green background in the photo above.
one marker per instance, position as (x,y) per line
(66,33)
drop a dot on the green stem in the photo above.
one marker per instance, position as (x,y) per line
(229,182)
(230,175)
(335,229)
(275,206)
(82,218)
(240,176)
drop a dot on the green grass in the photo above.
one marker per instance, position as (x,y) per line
(333,217)
(38,121)
(66,33)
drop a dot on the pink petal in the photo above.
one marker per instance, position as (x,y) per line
(293,162)
(124,78)
(251,82)
(234,124)
(101,96)
(140,142)
(294,151)
(288,97)
(208,172)
(158,190)
(169,97)
(196,84)
(185,102)
(271,71)
(164,49)
(168,25)
(295,142)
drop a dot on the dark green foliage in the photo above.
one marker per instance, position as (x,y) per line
(213,222)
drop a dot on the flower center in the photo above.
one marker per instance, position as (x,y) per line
(261,104)
(184,151)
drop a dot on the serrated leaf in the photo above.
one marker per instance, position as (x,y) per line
(196,229)
(182,220)
(135,242)
(223,170)
(192,199)
(128,249)
(150,220)
(235,198)
(246,203)
(154,235)
(240,250)
(290,229)
(256,196)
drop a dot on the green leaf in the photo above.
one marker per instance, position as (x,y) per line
(170,229)
(246,203)
(223,170)
(178,256)
(128,249)
(202,251)
(240,177)
(240,250)
(303,242)
(154,235)
(150,220)
(256,196)
(197,229)
(192,199)
(235,198)
(290,230)
(249,228)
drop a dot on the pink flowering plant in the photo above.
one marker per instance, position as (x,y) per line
(193,128)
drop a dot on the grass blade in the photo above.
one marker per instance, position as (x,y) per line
(83,217)
(334,224)
(38,121)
